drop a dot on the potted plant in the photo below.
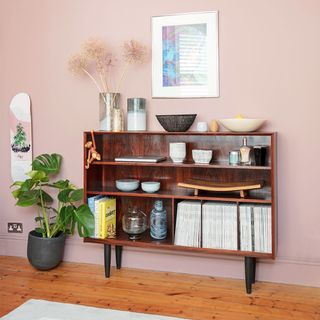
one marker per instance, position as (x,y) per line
(58,214)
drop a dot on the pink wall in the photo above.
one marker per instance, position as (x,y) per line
(269,68)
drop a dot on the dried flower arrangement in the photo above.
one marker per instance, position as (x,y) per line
(95,60)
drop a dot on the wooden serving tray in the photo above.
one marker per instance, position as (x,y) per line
(243,186)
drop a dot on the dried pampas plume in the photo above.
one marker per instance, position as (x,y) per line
(95,60)
(134,52)
(78,63)
(94,49)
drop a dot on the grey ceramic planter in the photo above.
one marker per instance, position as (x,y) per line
(45,253)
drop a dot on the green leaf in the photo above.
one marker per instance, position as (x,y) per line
(48,163)
(72,226)
(27,185)
(38,175)
(40,230)
(37,219)
(16,193)
(85,221)
(28,198)
(61,184)
(76,195)
(17,183)
(46,197)
(66,216)
(64,195)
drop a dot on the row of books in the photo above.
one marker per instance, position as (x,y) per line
(104,211)
(215,225)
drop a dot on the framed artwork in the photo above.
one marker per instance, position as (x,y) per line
(185,62)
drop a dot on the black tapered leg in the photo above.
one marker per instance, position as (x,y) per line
(107,260)
(118,256)
(250,268)
(254,270)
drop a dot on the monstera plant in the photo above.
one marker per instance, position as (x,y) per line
(60,210)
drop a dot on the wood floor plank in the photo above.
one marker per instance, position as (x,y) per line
(179,295)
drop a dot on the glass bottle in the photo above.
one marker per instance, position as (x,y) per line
(118,121)
(158,221)
(245,153)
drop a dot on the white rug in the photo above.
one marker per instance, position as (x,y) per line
(47,310)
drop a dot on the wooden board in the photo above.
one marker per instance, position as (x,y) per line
(20,136)
(242,186)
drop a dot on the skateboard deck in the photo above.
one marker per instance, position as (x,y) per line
(20,136)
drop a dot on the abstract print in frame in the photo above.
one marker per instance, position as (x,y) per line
(185,55)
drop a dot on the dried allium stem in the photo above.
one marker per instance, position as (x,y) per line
(92,78)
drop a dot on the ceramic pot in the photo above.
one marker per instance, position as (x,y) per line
(45,253)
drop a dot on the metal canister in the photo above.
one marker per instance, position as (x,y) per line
(234,157)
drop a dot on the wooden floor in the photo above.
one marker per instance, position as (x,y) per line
(179,295)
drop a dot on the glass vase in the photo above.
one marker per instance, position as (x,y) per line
(108,102)
(134,223)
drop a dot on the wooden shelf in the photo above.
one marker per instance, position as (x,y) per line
(187,133)
(169,163)
(181,193)
(147,242)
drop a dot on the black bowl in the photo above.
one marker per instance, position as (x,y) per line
(176,122)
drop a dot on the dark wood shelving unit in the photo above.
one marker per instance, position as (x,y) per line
(100,179)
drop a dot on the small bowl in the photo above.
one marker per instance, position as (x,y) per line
(202,156)
(242,125)
(127,184)
(150,186)
(176,122)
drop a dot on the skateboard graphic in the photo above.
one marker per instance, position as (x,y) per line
(20,136)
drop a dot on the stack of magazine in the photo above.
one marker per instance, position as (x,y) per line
(215,225)
(219,225)
(188,225)
(255,228)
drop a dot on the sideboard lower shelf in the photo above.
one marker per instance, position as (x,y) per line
(148,242)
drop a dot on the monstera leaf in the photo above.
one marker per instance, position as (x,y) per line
(70,195)
(48,163)
(84,220)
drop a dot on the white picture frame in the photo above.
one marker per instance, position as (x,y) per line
(185,58)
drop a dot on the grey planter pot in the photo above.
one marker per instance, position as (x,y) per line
(45,253)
